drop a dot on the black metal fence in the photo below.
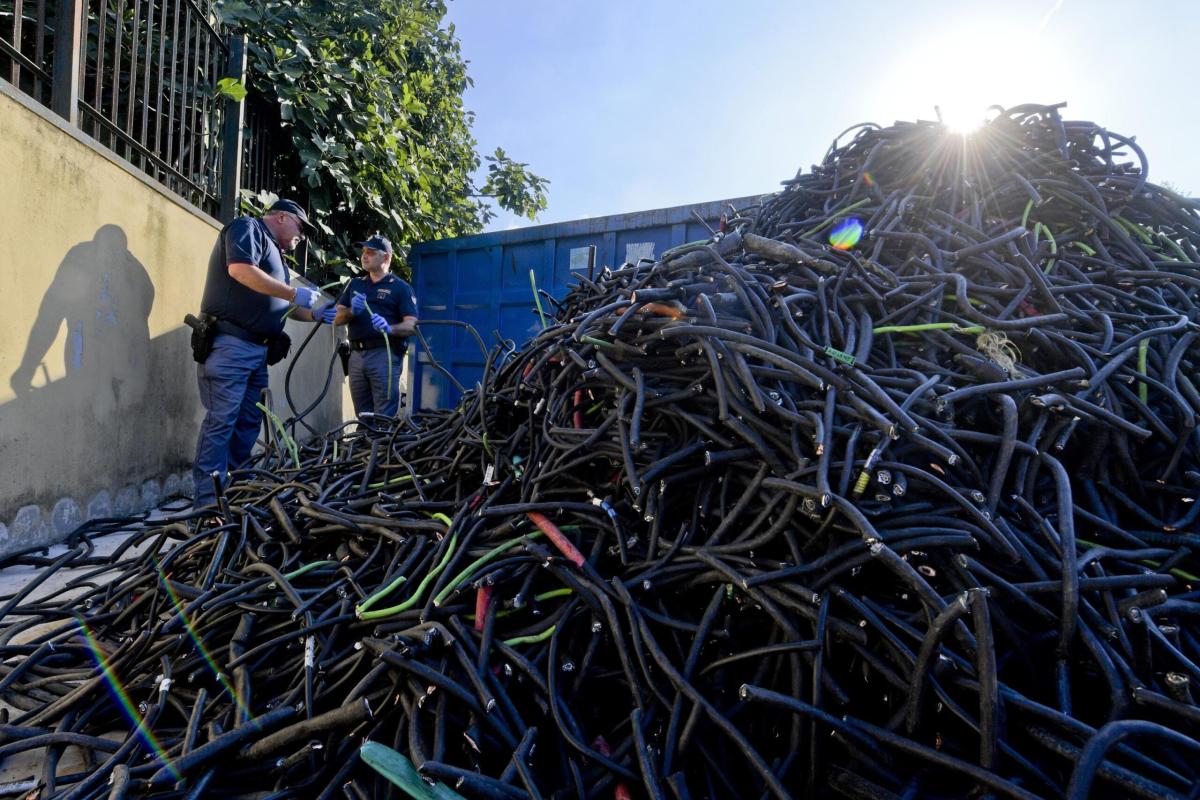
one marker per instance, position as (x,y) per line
(27,46)
(139,76)
(264,148)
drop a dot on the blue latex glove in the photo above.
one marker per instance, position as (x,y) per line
(305,297)
(380,324)
(326,314)
(358,302)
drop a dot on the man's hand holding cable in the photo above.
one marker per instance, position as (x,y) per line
(305,297)
(380,324)
(358,303)
(327,315)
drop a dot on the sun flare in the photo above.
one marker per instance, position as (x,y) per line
(961,118)
(958,71)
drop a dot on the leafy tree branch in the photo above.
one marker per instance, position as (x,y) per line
(373,133)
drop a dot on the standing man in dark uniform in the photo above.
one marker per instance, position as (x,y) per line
(374,386)
(247,290)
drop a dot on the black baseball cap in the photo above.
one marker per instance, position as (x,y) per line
(292,207)
(377,242)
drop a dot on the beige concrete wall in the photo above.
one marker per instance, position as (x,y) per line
(98,266)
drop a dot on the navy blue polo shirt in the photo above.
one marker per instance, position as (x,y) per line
(246,240)
(391,297)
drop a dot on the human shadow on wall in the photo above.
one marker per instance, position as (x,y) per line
(104,295)
(124,405)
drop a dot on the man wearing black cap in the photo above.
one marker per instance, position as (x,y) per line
(381,310)
(248,293)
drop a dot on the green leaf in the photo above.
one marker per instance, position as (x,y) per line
(400,771)
(232,88)
(372,128)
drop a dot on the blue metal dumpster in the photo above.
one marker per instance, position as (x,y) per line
(484,280)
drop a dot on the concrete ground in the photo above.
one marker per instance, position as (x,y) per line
(21,774)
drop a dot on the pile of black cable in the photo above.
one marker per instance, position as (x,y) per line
(886,490)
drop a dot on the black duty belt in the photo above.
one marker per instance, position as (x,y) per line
(238,332)
(372,344)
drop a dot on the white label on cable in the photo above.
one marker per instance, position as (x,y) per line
(310,652)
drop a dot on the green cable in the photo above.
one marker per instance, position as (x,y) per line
(1025,216)
(1178,573)
(550,595)
(1084,248)
(283,434)
(537,598)
(1175,248)
(382,613)
(308,568)
(388,344)
(597,342)
(1123,225)
(537,300)
(533,639)
(389,482)
(363,614)
(1134,228)
(461,577)
(479,562)
(1141,232)
(971,300)
(930,326)
(1053,245)
(384,592)
(1143,387)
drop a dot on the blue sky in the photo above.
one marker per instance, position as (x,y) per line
(627,106)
